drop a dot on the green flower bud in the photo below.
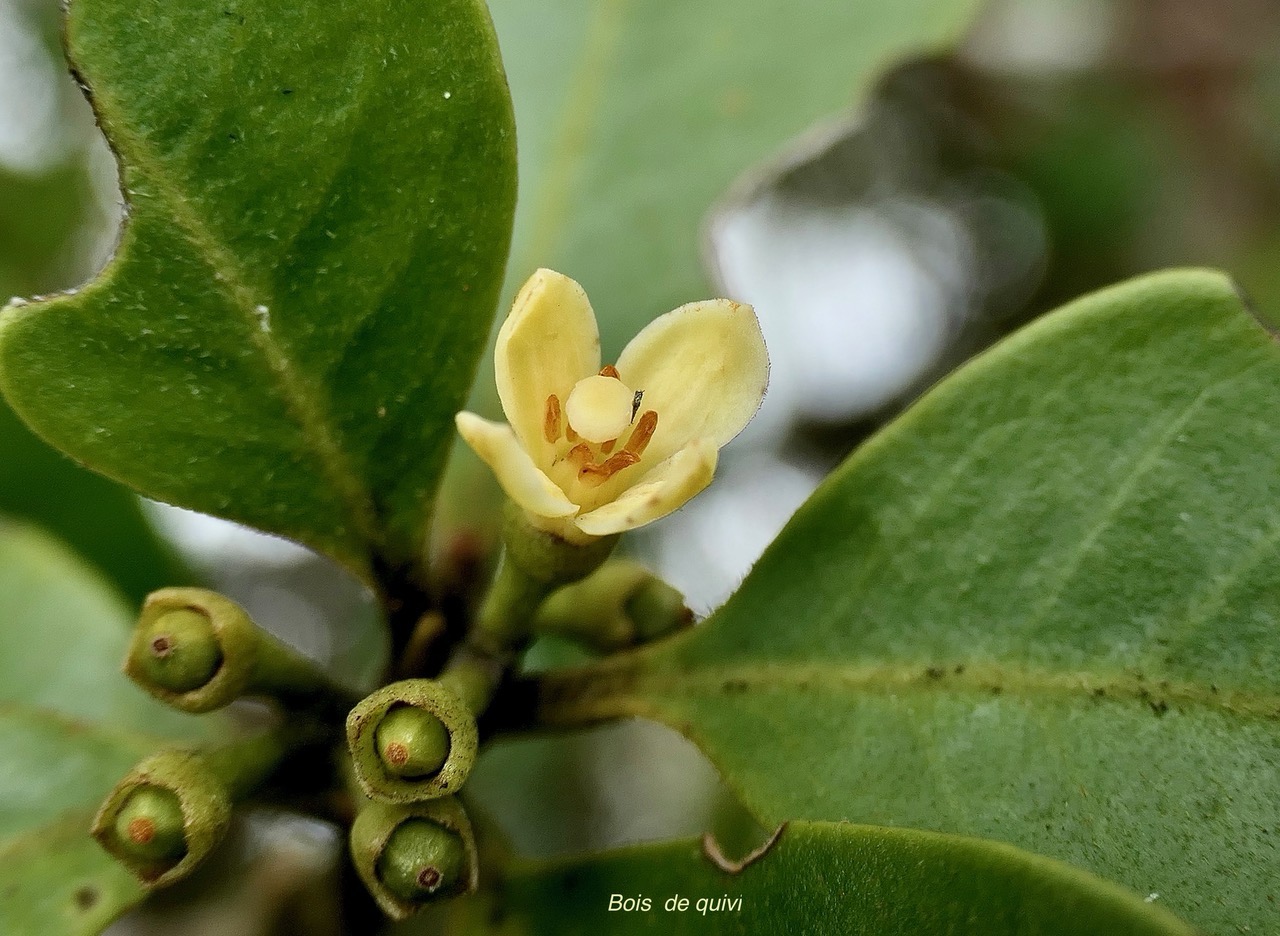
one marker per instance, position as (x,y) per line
(421,859)
(181,651)
(149,826)
(199,651)
(412,740)
(656,609)
(620,606)
(412,855)
(165,816)
(412,743)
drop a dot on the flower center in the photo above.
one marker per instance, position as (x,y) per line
(599,408)
(598,412)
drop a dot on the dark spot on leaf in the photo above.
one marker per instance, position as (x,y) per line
(286,90)
(735,685)
(1160,706)
(959,670)
(86,898)
(935,672)
(996,690)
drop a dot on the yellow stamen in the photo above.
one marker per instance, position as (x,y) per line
(551,422)
(643,432)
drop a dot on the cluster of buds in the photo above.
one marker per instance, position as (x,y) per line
(589,453)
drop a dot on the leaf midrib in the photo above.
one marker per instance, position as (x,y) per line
(300,397)
(589,695)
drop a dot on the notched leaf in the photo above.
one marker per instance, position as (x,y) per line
(305,281)
(1038,607)
(823,878)
(711,849)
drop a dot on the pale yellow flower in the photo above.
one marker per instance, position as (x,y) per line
(592,451)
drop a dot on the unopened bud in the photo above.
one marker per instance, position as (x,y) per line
(179,650)
(165,816)
(422,860)
(199,651)
(411,855)
(412,742)
(149,826)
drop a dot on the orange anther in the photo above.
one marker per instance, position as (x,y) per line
(594,475)
(551,422)
(580,454)
(607,447)
(609,371)
(642,433)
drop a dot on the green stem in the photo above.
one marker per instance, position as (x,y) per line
(246,764)
(502,625)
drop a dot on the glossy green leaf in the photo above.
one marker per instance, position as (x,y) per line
(635,117)
(320,206)
(39,214)
(1039,607)
(822,878)
(70,726)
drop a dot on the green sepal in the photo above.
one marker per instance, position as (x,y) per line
(206,814)
(373,830)
(547,558)
(434,699)
(621,605)
(249,661)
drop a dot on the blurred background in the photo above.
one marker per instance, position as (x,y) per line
(1062,146)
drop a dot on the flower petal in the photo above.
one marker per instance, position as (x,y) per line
(524,483)
(547,344)
(664,489)
(703,368)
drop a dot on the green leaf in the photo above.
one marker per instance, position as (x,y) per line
(57,881)
(103,521)
(1039,607)
(70,726)
(320,207)
(63,633)
(828,878)
(634,118)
